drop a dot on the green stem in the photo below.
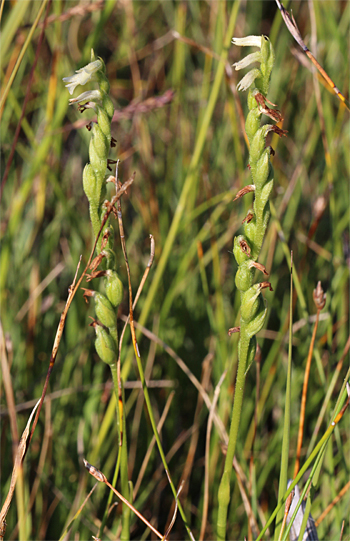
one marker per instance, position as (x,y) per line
(224,488)
(125,534)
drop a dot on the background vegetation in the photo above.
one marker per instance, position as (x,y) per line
(45,227)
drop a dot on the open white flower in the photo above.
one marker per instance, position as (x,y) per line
(82,76)
(89,95)
(247,60)
(248,79)
(248,41)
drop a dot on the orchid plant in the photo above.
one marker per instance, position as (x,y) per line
(247,247)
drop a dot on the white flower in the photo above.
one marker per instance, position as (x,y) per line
(92,95)
(248,79)
(82,76)
(247,60)
(248,41)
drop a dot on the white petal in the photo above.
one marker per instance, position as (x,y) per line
(248,79)
(92,67)
(92,95)
(71,86)
(247,60)
(248,41)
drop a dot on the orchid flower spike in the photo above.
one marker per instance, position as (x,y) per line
(249,78)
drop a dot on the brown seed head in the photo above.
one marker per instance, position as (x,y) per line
(319,297)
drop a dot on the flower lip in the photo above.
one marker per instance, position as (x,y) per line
(82,76)
(89,95)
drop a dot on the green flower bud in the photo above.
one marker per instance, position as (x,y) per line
(104,123)
(105,345)
(100,141)
(253,120)
(108,104)
(265,192)
(104,310)
(258,145)
(249,229)
(239,253)
(244,276)
(98,162)
(262,169)
(114,288)
(263,213)
(89,182)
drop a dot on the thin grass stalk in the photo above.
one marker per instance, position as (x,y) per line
(287,410)
(22,53)
(320,301)
(141,371)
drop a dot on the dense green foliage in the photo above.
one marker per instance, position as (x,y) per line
(190,158)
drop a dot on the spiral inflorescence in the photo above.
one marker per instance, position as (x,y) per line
(247,247)
(94,183)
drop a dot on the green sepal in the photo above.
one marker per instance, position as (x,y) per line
(250,354)
(268,60)
(102,71)
(265,193)
(114,288)
(251,302)
(105,345)
(265,49)
(256,324)
(104,310)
